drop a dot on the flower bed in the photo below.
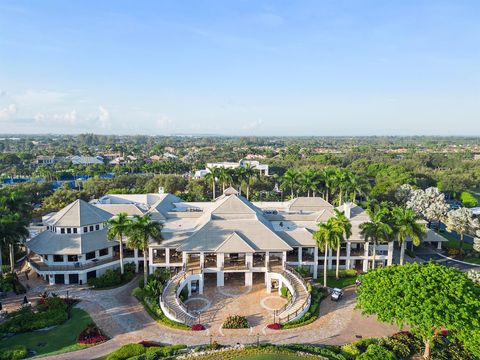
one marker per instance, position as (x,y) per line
(198,327)
(275,326)
(91,335)
(235,322)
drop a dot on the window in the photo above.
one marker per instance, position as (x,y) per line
(74,230)
(103,252)
(62,231)
(91,227)
(90,255)
(97,227)
(72,258)
(85,229)
(69,230)
(58,258)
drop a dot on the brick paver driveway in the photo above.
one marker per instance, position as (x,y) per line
(125,321)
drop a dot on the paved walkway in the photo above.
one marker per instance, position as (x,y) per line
(125,321)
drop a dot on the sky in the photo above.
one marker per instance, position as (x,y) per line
(320,67)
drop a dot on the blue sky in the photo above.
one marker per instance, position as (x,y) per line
(240,67)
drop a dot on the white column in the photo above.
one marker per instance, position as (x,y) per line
(200,284)
(249,260)
(439,245)
(347,261)
(220,260)
(267,258)
(167,257)
(66,278)
(220,278)
(300,254)
(366,257)
(135,256)
(268,282)
(189,286)
(184,259)
(284,258)
(51,279)
(82,277)
(202,259)
(150,260)
(390,253)
(315,266)
(280,284)
(248,279)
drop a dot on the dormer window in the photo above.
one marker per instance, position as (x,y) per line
(62,230)
(85,229)
(97,227)
(69,230)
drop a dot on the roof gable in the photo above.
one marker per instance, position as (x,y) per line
(79,213)
(232,205)
(234,244)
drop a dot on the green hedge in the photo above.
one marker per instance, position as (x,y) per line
(376,352)
(153,308)
(312,314)
(343,273)
(113,277)
(53,312)
(16,352)
(140,352)
(468,200)
(127,351)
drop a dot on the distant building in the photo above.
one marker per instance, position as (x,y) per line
(85,160)
(44,160)
(262,168)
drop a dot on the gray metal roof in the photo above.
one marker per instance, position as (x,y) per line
(78,214)
(297,237)
(309,204)
(115,209)
(49,242)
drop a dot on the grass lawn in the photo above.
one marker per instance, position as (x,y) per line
(340,283)
(62,338)
(454,243)
(472,260)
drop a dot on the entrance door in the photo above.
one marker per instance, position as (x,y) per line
(73,278)
(59,279)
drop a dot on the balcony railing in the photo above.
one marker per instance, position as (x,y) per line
(38,264)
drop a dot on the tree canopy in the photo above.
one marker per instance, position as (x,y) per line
(427,298)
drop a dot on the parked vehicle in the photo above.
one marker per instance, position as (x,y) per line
(337,294)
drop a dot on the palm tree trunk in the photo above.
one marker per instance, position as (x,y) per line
(145,265)
(292,192)
(248,191)
(337,275)
(121,254)
(325,266)
(326,196)
(374,254)
(12,259)
(461,245)
(308,193)
(213,187)
(402,252)
(426,354)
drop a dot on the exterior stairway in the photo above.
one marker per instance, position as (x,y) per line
(169,301)
(301,297)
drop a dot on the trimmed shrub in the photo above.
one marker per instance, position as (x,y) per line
(350,351)
(127,351)
(198,327)
(16,352)
(468,200)
(235,322)
(284,291)
(113,277)
(91,335)
(376,352)
(342,273)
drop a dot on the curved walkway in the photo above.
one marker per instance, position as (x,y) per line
(124,320)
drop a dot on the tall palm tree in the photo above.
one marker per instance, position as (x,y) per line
(406,225)
(212,176)
(309,181)
(140,231)
(249,173)
(118,226)
(13,228)
(377,230)
(328,234)
(290,180)
(329,179)
(345,227)
(224,177)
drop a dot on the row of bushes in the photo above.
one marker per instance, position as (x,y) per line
(113,277)
(9,282)
(52,311)
(142,352)
(312,314)
(342,273)
(153,308)
(16,352)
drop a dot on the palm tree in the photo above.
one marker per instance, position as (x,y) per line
(118,226)
(212,176)
(223,177)
(249,173)
(406,225)
(329,178)
(13,228)
(309,181)
(140,231)
(328,234)
(345,227)
(376,230)
(289,180)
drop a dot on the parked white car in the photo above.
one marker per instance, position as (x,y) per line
(336,294)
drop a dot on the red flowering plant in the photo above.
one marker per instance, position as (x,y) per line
(275,326)
(91,335)
(198,327)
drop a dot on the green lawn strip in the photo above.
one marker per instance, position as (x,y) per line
(472,260)
(62,338)
(454,243)
(340,283)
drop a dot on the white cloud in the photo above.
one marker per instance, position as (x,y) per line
(39,97)
(71,117)
(8,111)
(104,117)
(253,125)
